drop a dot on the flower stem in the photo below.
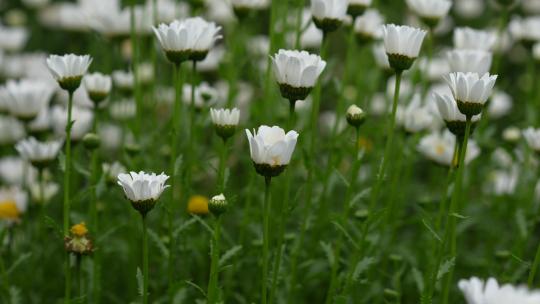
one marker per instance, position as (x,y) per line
(266,237)
(67,176)
(283,215)
(192,131)
(94,179)
(451,219)
(135,68)
(172,168)
(145,260)
(221,170)
(534,268)
(298,25)
(78,260)
(214,268)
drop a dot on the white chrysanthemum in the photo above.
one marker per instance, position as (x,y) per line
(112,171)
(298,69)
(369,24)
(403,40)
(379,52)
(470,87)
(97,83)
(473,61)
(525,29)
(68,66)
(82,121)
(225,117)
(49,191)
(205,95)
(123,80)
(12,130)
(500,104)
(188,35)
(13,39)
(448,109)
(430,9)
(26,98)
(13,203)
(440,148)
(470,39)
(123,109)
(329,9)
(414,117)
(41,123)
(435,68)
(36,151)
(504,182)
(271,146)
(532,136)
(477,291)
(140,187)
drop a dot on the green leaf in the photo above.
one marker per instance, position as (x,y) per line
(459,216)
(521,223)
(178,165)
(62,161)
(196,287)
(159,243)
(329,252)
(204,224)
(14,295)
(418,279)
(342,178)
(229,254)
(18,262)
(433,232)
(362,266)
(446,267)
(140,282)
(184,226)
(345,233)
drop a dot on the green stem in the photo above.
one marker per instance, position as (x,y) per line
(175,119)
(266,238)
(67,177)
(221,170)
(78,274)
(298,25)
(451,219)
(214,268)
(135,68)
(145,260)
(283,215)
(502,25)
(534,268)
(344,217)
(192,130)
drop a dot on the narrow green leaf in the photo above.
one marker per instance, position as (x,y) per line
(192,284)
(428,226)
(329,252)
(345,233)
(140,282)
(229,254)
(184,226)
(521,223)
(159,243)
(362,266)
(446,267)
(18,262)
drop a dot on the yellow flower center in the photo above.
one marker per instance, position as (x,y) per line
(9,210)
(440,149)
(79,229)
(198,204)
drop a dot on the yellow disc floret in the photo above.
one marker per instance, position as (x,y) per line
(9,210)
(79,229)
(198,204)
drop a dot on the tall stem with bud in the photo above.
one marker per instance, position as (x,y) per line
(214,266)
(145,259)
(67,177)
(266,238)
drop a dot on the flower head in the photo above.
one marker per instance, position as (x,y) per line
(449,112)
(225,121)
(466,38)
(13,203)
(297,72)
(414,117)
(440,148)
(98,86)
(470,90)
(367,27)
(532,137)
(357,7)
(78,241)
(473,61)
(69,69)
(271,149)
(189,39)
(27,98)
(477,291)
(143,189)
(431,11)
(82,121)
(40,154)
(198,204)
(402,44)
(328,15)
(218,204)
(355,116)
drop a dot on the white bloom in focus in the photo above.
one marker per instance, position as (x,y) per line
(82,121)
(369,24)
(329,9)
(448,109)
(298,69)
(466,38)
(474,61)
(13,39)
(190,38)
(38,152)
(26,98)
(470,90)
(430,9)
(532,136)
(271,146)
(225,117)
(68,66)
(440,148)
(141,187)
(403,40)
